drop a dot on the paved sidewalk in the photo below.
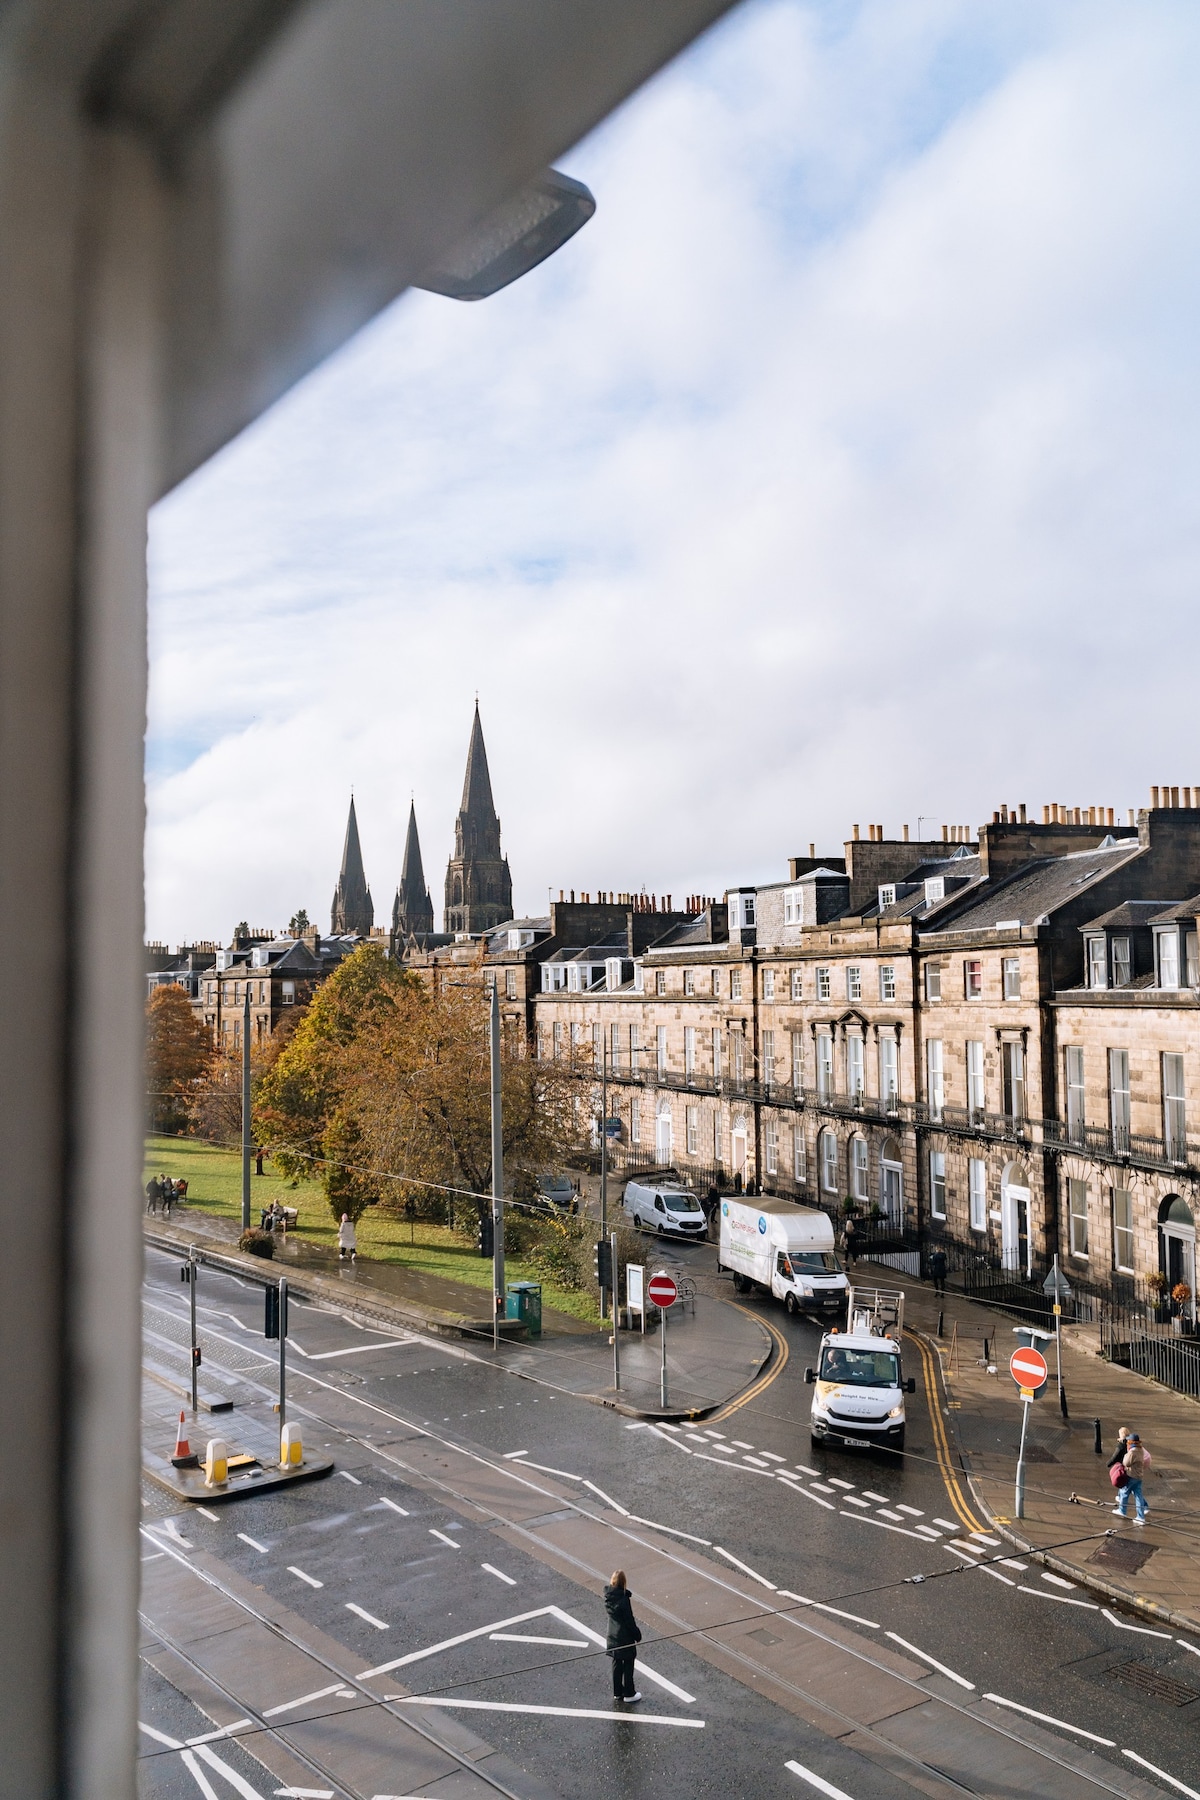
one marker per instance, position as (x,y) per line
(715,1349)
(1068,1495)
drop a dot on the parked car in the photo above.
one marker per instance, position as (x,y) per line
(558,1192)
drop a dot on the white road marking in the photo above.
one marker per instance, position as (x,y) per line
(882,1525)
(1161,1773)
(546,1470)
(369,1617)
(311,1579)
(498,1573)
(836,1481)
(160,1737)
(1142,1630)
(391,1505)
(171,1530)
(1046,1719)
(746,1466)
(1062,1599)
(235,1781)
(756,1460)
(715,1434)
(512,1455)
(808,1493)
(208,1514)
(624,1717)
(879,1499)
(744,1567)
(786,1594)
(607,1498)
(997,1576)
(931,1660)
(304,1793)
(1188,1646)
(154,1556)
(346,1476)
(771,1456)
(695,1438)
(1057,1581)
(636,1425)
(914,1512)
(928,1533)
(197,1774)
(725,1449)
(351,1350)
(517,1637)
(823,1487)
(817,1781)
(985,1539)
(803,1469)
(1010,1562)
(885,1512)
(338,1688)
(254,1544)
(635,1519)
(967,1549)
(739,1444)
(434,1532)
(853,1500)
(947,1524)
(668,1439)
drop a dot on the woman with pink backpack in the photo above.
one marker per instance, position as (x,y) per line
(1132,1467)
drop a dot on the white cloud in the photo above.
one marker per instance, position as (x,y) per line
(844,468)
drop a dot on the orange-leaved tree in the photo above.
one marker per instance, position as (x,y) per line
(177,1056)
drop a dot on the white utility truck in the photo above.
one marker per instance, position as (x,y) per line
(666,1206)
(859,1392)
(785,1250)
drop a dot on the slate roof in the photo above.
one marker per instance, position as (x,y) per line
(1131,913)
(1038,889)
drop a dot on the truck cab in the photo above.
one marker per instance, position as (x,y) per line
(775,1247)
(808,1281)
(859,1386)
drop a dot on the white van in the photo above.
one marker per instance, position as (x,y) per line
(859,1385)
(665,1206)
(785,1250)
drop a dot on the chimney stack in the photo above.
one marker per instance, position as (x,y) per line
(854,828)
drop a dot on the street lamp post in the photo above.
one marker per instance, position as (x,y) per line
(497,1171)
(246,1111)
(604,1158)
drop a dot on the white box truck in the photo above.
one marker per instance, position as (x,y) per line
(859,1385)
(784,1249)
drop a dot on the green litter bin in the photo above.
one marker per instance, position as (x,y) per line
(524,1302)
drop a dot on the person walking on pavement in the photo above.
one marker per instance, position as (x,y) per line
(850,1241)
(347,1239)
(1135,1463)
(937,1268)
(623,1638)
(153,1191)
(1116,1462)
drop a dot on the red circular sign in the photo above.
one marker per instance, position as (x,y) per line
(662,1290)
(1028,1368)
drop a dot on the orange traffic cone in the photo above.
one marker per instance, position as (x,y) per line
(183,1457)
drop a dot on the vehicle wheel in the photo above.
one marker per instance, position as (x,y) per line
(816,1442)
(898,1445)
(739,1282)
(659,1230)
(792,1308)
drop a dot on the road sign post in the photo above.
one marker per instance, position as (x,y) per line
(616,1316)
(663,1294)
(1029,1370)
(1057,1285)
(191,1268)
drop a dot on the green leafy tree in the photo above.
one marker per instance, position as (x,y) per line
(299,923)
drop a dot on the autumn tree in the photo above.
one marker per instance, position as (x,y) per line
(177,1055)
(385,1088)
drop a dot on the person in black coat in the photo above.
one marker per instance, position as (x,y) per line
(623,1638)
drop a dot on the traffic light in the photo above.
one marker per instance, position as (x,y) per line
(485,1237)
(604,1268)
(271,1322)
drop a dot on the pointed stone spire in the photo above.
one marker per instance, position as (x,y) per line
(412,911)
(478,884)
(353,909)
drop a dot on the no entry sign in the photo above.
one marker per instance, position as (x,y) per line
(1028,1369)
(662,1290)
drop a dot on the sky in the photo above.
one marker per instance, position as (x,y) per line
(845,468)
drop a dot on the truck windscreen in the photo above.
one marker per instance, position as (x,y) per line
(682,1203)
(814,1262)
(860,1368)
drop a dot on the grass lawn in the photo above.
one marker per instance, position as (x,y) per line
(214,1178)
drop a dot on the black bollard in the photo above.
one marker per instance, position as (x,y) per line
(941,1322)
(1062,1402)
(986,1357)
(1099,1444)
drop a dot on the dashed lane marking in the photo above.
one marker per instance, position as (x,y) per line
(624,1716)
(391,1505)
(338,1688)
(821,1606)
(836,1481)
(933,1662)
(521,1637)
(301,1576)
(1046,1719)
(879,1499)
(443,1538)
(808,1493)
(914,1512)
(364,1614)
(1057,1581)
(744,1567)
(253,1543)
(817,1781)
(346,1476)
(498,1573)
(1061,1599)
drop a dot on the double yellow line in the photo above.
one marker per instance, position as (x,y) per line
(941,1442)
(777,1367)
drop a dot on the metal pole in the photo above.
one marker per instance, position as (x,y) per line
(497,1171)
(1062,1398)
(192,1300)
(604,1164)
(246,1111)
(1020,1495)
(616,1316)
(662,1383)
(282,1353)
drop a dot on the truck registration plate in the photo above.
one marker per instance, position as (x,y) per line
(858,1443)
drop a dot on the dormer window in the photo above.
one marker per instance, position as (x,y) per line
(793,909)
(1167,945)
(935,889)
(1097,963)
(1122,964)
(613,973)
(887,895)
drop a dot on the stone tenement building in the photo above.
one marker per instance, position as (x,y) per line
(990,1040)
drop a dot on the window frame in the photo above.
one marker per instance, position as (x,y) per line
(1120,1098)
(735,984)
(1077,1218)
(933,983)
(1174,1104)
(1123,1231)
(860,1167)
(887,982)
(972,978)
(771,1145)
(797,984)
(977,1200)
(853,981)
(975,1056)
(689,982)
(1075,1092)
(799,1154)
(828,1164)
(937,1184)
(824,978)
(1010,977)
(768,984)
(935,1077)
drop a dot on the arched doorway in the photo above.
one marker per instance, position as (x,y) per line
(1177,1235)
(1016,1241)
(891,1182)
(663,1140)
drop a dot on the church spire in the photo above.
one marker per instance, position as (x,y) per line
(353,910)
(478,884)
(412,912)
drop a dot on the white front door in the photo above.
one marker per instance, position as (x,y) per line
(663,1142)
(891,1188)
(1016,1247)
(737,1142)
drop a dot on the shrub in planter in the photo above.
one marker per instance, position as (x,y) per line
(257,1243)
